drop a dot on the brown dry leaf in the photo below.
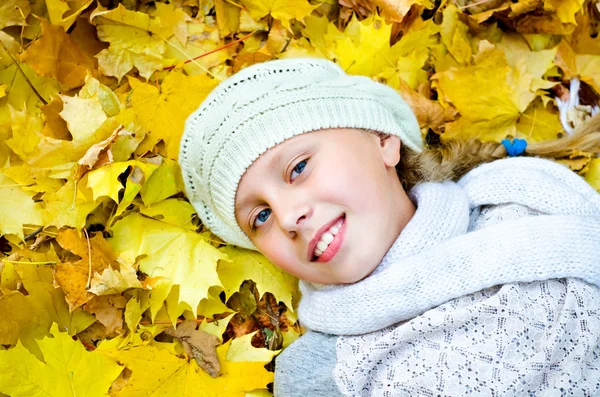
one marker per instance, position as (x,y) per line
(430,114)
(97,155)
(198,344)
(72,277)
(109,311)
(56,55)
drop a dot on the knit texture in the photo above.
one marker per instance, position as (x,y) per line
(265,104)
(564,243)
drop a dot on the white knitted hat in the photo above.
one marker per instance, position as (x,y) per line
(265,104)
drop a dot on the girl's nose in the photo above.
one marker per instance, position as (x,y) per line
(294,218)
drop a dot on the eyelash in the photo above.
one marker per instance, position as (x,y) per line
(253,223)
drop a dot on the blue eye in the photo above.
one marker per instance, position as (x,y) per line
(261,217)
(298,168)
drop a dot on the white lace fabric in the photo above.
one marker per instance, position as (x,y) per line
(524,339)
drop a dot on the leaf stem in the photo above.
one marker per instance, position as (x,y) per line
(23,73)
(87,237)
(29,263)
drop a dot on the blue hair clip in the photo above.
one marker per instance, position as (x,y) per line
(516,147)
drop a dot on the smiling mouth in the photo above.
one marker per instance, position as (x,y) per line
(327,251)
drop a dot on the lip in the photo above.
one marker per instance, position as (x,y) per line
(317,237)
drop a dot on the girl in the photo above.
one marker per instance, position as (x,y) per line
(412,284)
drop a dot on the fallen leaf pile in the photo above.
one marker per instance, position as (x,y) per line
(109,283)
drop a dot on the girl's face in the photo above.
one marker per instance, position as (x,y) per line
(325,206)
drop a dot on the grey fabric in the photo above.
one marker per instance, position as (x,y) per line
(305,367)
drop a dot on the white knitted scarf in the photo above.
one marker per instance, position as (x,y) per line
(435,260)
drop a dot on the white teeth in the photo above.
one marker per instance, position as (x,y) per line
(327,238)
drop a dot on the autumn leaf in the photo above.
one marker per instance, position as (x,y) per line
(134,41)
(14,12)
(250,265)
(112,281)
(174,211)
(64,12)
(68,369)
(241,350)
(181,256)
(108,309)
(593,174)
(158,372)
(96,255)
(56,55)
(47,300)
(16,208)
(200,345)
(163,112)
(283,10)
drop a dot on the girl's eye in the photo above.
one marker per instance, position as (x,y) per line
(298,169)
(261,217)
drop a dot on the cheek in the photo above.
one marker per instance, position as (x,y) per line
(278,253)
(354,186)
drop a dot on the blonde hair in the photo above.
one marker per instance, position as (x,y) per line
(453,159)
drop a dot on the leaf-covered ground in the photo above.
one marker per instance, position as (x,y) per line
(109,284)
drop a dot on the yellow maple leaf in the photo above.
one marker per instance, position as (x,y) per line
(25,133)
(177,212)
(163,183)
(104,181)
(66,208)
(251,265)
(592,176)
(364,49)
(19,94)
(180,256)
(565,9)
(455,37)
(587,68)
(46,299)
(408,69)
(14,12)
(228,17)
(65,12)
(83,116)
(159,372)
(241,350)
(17,208)
(489,95)
(173,21)
(134,41)
(20,321)
(283,10)
(68,369)
(539,123)
(56,55)
(204,38)
(163,112)
(212,305)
